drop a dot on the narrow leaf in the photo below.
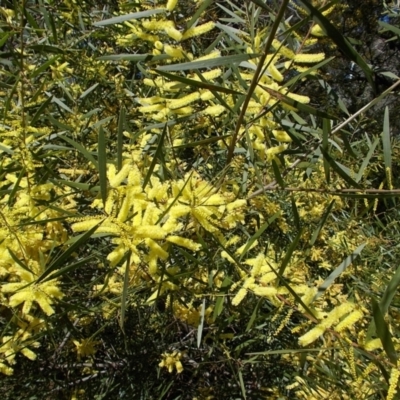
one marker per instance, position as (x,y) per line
(129,17)
(125,293)
(390,292)
(156,157)
(102,157)
(387,148)
(339,170)
(343,265)
(210,63)
(120,137)
(82,150)
(258,234)
(277,174)
(201,325)
(322,223)
(62,259)
(383,332)
(289,252)
(87,91)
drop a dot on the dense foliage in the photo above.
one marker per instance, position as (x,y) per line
(193,205)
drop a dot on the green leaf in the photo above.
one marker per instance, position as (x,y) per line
(292,292)
(366,161)
(82,150)
(390,292)
(339,170)
(383,332)
(44,48)
(16,187)
(156,157)
(40,111)
(254,315)
(134,57)
(44,66)
(120,137)
(18,261)
(326,130)
(343,265)
(129,17)
(289,252)
(60,261)
(59,102)
(87,91)
(69,268)
(125,292)
(201,325)
(197,14)
(102,157)
(277,173)
(322,223)
(295,213)
(210,63)
(387,147)
(258,234)
(388,27)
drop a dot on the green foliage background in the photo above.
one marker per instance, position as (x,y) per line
(192,203)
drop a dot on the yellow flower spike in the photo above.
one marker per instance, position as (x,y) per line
(373,345)
(214,110)
(158,25)
(298,97)
(282,49)
(272,152)
(311,336)
(275,73)
(173,34)
(171,4)
(213,54)
(281,136)
(85,347)
(120,176)
(208,75)
(350,320)
(158,45)
(162,115)
(183,101)
(184,242)
(198,30)
(309,58)
(393,381)
(41,293)
(151,109)
(171,361)
(174,52)
(183,111)
(206,95)
(316,30)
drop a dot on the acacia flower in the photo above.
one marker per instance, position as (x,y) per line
(198,30)
(309,58)
(85,347)
(171,4)
(171,361)
(42,293)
